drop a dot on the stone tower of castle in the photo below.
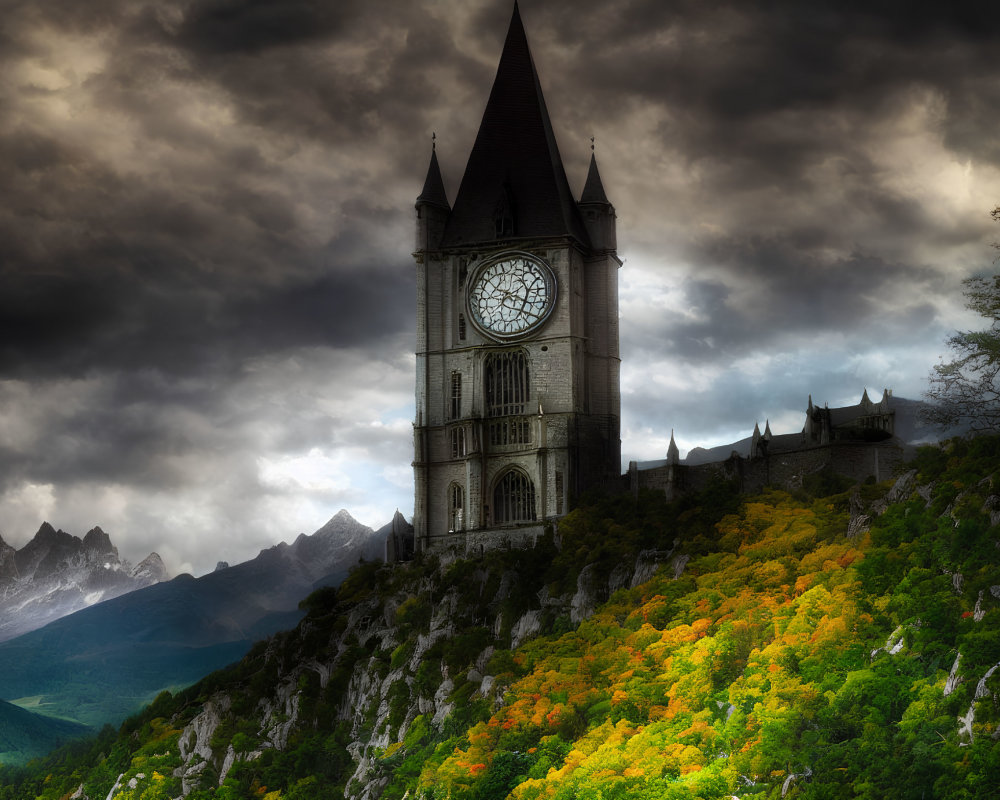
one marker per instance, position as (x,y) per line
(517,387)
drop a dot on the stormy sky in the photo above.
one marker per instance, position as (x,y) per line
(206,288)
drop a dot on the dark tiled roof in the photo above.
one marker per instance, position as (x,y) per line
(593,191)
(515,156)
(433,191)
(785,443)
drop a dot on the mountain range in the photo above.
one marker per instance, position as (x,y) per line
(57,573)
(103,662)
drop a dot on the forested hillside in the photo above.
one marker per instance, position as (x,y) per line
(834,642)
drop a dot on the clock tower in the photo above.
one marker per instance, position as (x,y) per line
(517,392)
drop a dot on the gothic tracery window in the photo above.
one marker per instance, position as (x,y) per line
(514,498)
(506,384)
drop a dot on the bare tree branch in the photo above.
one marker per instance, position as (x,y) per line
(966,391)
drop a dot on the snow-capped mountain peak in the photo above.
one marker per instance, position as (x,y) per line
(57,573)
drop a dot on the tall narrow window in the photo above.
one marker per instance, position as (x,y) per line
(456,507)
(506,384)
(559,492)
(458,442)
(456,395)
(461,327)
(514,498)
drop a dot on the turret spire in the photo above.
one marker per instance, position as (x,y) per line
(673,454)
(433,191)
(593,190)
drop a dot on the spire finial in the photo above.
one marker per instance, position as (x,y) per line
(434,137)
(591,144)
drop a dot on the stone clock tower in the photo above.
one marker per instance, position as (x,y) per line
(517,390)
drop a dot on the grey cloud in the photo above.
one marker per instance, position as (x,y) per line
(249,26)
(786,293)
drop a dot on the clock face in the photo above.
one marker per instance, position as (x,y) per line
(511,295)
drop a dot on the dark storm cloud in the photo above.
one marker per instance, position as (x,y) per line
(235,26)
(109,440)
(761,91)
(784,293)
(67,325)
(357,69)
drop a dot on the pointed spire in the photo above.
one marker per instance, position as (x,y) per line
(755,445)
(673,454)
(515,147)
(810,402)
(593,190)
(767,429)
(865,400)
(433,191)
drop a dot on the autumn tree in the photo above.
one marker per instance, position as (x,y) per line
(966,390)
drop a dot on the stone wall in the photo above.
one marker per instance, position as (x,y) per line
(855,460)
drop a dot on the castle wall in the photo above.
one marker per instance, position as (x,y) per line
(854,460)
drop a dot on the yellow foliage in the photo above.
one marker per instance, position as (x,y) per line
(392,748)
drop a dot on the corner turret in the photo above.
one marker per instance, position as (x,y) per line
(597,212)
(432,208)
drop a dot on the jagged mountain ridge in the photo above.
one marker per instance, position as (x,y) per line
(57,573)
(103,662)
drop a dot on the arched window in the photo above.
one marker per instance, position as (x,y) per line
(506,384)
(456,507)
(458,442)
(514,498)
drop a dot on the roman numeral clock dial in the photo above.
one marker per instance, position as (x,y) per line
(511,295)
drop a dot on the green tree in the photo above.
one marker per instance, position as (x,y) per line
(966,390)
